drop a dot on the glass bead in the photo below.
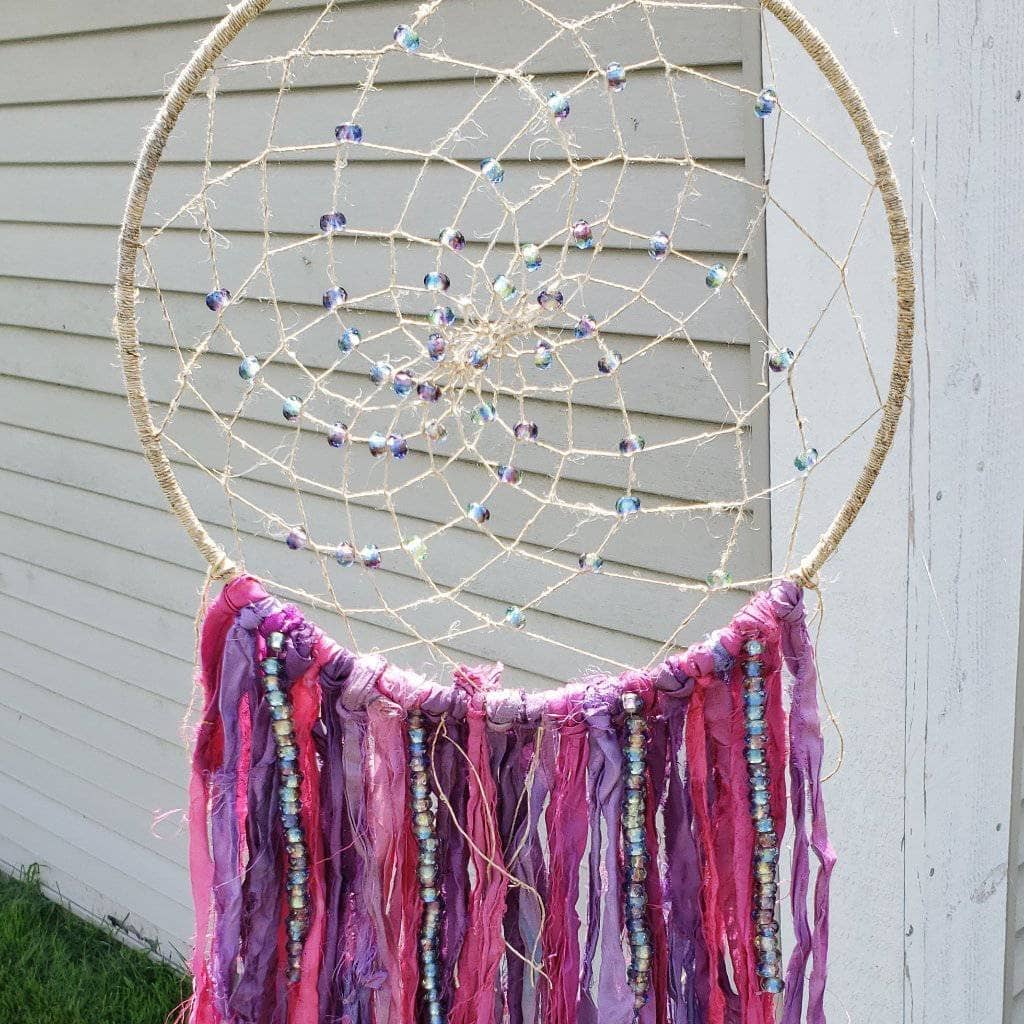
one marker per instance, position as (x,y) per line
(397,446)
(632,703)
(615,75)
(515,617)
(755,728)
(403,383)
(218,299)
(753,669)
(558,105)
(380,373)
(435,430)
(719,579)
(582,235)
(509,475)
(331,223)
(716,276)
(345,555)
(248,368)
(370,556)
(492,170)
(771,985)
(766,102)
(334,297)
(377,443)
(291,408)
(753,647)
(753,756)
(609,362)
(407,38)
(628,505)
(542,355)
(349,340)
(483,413)
(550,300)
(428,392)
(416,548)
(780,359)
(526,430)
(478,358)
(591,562)
(348,132)
(442,316)
(477,512)
(296,539)
(658,246)
(338,435)
(631,444)
(436,281)
(504,288)
(531,256)
(455,240)
(436,347)
(275,641)
(585,327)
(806,459)
(270,666)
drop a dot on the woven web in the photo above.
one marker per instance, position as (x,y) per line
(683,365)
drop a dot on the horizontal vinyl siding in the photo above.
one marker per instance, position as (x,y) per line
(98,585)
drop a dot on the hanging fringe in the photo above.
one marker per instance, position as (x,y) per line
(322,898)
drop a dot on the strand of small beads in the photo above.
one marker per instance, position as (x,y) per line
(290,806)
(424,825)
(767,942)
(634,837)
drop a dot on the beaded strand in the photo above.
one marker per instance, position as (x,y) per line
(290,804)
(768,944)
(634,837)
(424,825)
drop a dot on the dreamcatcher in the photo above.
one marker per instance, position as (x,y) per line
(483,368)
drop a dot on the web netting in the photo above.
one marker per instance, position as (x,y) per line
(485,361)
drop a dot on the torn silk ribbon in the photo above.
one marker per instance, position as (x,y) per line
(527,857)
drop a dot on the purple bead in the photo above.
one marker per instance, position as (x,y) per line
(455,240)
(332,222)
(402,383)
(296,539)
(582,235)
(218,299)
(348,132)
(436,347)
(428,392)
(334,297)
(338,435)
(585,327)
(526,431)
(552,300)
(397,446)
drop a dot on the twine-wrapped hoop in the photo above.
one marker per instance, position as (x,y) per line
(126,325)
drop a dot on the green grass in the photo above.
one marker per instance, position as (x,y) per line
(58,969)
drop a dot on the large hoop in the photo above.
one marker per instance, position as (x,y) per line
(126,325)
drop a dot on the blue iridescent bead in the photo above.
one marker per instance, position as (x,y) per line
(753,756)
(436,281)
(582,235)
(590,562)
(348,132)
(380,373)
(806,459)
(558,105)
(719,579)
(338,435)
(407,38)
(615,76)
(455,240)
(377,443)
(492,170)
(331,223)
(627,505)
(478,357)
(477,512)
(291,408)
(504,288)
(248,368)
(436,347)
(435,430)
(397,446)
(334,297)
(370,556)
(780,359)
(402,383)
(760,797)
(526,430)
(631,444)
(658,246)
(484,413)
(515,617)
(509,475)
(550,300)
(275,698)
(755,728)
(716,276)
(270,666)
(349,340)
(609,362)
(218,299)
(295,836)
(531,256)
(428,392)
(753,647)
(765,825)
(345,555)
(772,985)
(766,102)
(753,669)
(442,316)
(585,327)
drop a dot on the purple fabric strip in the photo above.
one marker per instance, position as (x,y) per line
(805,759)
